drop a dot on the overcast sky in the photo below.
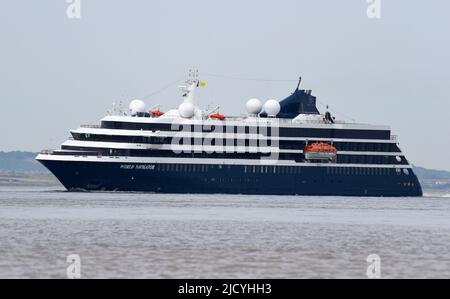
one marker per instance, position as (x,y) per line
(57,73)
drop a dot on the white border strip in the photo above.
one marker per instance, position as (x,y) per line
(157,160)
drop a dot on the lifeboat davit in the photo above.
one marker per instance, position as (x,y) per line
(320,151)
(157,113)
(217,116)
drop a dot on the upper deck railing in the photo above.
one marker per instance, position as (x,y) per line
(47,152)
(281,120)
(245,119)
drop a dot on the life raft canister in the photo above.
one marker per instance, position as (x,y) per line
(157,113)
(217,116)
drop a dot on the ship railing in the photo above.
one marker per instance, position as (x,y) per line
(91,126)
(47,152)
(394,137)
(288,120)
(308,121)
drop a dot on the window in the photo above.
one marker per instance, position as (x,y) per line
(362,159)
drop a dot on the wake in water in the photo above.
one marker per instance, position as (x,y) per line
(436,195)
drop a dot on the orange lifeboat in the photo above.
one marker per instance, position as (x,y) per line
(217,116)
(157,113)
(320,151)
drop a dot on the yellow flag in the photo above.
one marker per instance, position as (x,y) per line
(202,84)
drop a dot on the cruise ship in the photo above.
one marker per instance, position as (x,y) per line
(275,147)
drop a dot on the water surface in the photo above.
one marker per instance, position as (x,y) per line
(120,235)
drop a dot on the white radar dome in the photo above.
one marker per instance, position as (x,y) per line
(272,107)
(254,106)
(186,110)
(137,106)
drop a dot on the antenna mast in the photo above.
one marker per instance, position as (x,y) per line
(299,81)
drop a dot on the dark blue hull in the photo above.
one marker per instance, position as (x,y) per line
(234,179)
